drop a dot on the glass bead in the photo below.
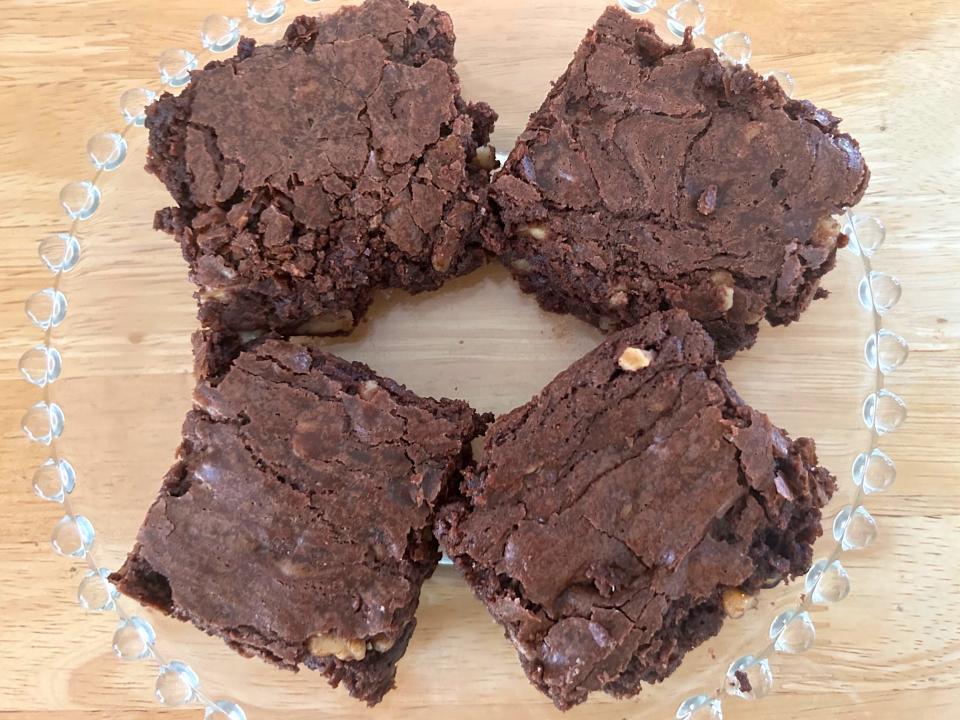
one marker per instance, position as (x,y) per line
(80,199)
(46,308)
(219,33)
(700,707)
(827,583)
(224,710)
(133,105)
(107,150)
(60,252)
(784,79)
(737,47)
(886,351)
(41,365)
(638,7)
(880,291)
(43,423)
(96,593)
(884,411)
(175,65)
(176,684)
(72,536)
(684,14)
(854,528)
(749,678)
(265,12)
(866,233)
(874,472)
(793,632)
(134,639)
(54,480)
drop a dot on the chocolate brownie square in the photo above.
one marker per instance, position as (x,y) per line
(654,176)
(607,518)
(311,172)
(296,523)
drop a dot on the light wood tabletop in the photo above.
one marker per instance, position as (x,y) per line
(890,651)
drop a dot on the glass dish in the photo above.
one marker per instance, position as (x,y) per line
(112,366)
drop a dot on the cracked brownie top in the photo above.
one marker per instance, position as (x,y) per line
(606,518)
(654,176)
(296,524)
(311,172)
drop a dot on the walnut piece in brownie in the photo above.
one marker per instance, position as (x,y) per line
(654,177)
(296,523)
(311,172)
(606,518)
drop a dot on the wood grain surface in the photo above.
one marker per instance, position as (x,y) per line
(891,651)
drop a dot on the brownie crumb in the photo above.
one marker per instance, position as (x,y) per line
(743,681)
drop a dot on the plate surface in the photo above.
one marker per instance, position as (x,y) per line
(127,382)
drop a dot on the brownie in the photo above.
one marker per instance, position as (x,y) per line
(311,172)
(609,519)
(654,176)
(296,522)
(215,350)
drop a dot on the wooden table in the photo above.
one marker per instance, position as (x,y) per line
(890,651)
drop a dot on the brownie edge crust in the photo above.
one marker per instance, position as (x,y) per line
(606,519)
(296,522)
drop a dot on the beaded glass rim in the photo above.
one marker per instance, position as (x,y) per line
(748,677)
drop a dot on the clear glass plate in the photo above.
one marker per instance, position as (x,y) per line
(113,368)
